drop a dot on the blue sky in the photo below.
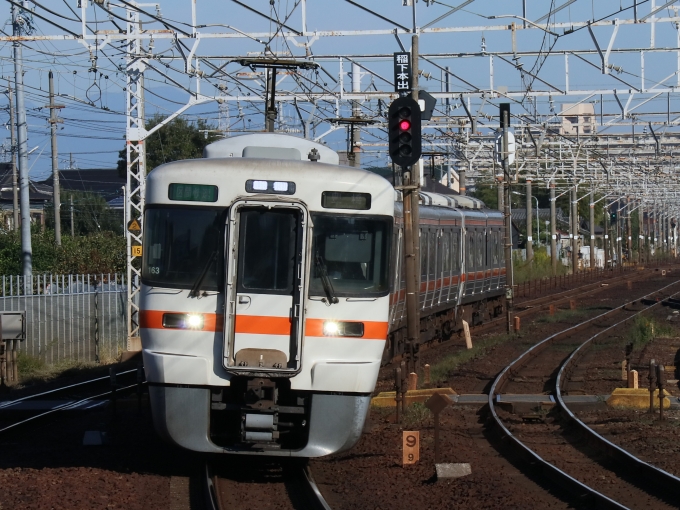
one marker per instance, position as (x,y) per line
(94,124)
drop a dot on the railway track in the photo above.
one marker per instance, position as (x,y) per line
(257,484)
(591,470)
(83,395)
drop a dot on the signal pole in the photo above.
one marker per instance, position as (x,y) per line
(413,319)
(22,130)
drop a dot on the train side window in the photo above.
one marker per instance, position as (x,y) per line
(499,234)
(446,251)
(471,251)
(423,252)
(432,259)
(455,251)
(480,249)
(494,247)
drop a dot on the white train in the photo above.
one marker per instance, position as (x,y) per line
(270,286)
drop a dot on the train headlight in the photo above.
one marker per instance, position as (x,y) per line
(330,328)
(183,320)
(194,321)
(340,328)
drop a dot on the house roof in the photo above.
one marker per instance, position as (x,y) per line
(37,192)
(103,181)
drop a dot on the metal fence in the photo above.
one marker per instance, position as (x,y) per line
(69,317)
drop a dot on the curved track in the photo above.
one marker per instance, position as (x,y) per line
(620,478)
(261,484)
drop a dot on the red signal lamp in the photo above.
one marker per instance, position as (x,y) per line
(404,125)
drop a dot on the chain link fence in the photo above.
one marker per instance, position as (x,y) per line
(69,317)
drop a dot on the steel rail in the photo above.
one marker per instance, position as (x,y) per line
(316,501)
(666,481)
(549,470)
(9,403)
(67,406)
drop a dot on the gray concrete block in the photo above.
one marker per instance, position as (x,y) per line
(453,470)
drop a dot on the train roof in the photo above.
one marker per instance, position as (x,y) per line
(449,201)
(270,146)
(229,175)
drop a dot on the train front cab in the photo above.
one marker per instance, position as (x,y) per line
(288,368)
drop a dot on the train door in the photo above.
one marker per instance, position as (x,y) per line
(265,278)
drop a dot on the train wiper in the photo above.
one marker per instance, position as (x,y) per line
(325,280)
(196,289)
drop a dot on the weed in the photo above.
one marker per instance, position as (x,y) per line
(644,330)
(415,415)
(443,369)
(34,369)
(561,316)
(539,267)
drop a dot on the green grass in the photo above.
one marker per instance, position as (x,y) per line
(34,369)
(416,415)
(562,315)
(445,368)
(539,267)
(645,330)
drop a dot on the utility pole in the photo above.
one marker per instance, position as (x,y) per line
(574,226)
(505,124)
(629,230)
(605,241)
(13,141)
(530,229)
(553,229)
(271,108)
(354,128)
(72,229)
(55,164)
(592,229)
(22,129)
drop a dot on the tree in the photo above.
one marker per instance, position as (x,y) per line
(91,214)
(178,139)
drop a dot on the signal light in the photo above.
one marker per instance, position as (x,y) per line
(404,133)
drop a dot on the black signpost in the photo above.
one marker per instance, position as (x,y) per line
(402,72)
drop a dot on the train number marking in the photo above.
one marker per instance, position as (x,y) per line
(411,446)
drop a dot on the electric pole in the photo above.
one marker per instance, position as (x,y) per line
(592,229)
(22,130)
(354,154)
(13,141)
(72,229)
(505,125)
(55,164)
(530,228)
(553,229)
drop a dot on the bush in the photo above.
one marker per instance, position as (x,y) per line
(539,267)
(95,253)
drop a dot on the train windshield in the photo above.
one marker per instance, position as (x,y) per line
(183,245)
(353,252)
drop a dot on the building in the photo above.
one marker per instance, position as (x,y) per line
(578,119)
(106,182)
(39,194)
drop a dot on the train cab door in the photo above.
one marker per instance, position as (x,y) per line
(265,282)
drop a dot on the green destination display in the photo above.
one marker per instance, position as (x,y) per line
(192,192)
(345,200)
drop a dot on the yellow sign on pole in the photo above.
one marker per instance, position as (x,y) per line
(134,226)
(137,250)
(411,443)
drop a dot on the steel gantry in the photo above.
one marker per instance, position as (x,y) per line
(619,67)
